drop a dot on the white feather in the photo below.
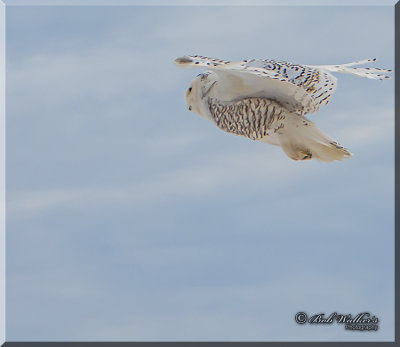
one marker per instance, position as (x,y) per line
(244,98)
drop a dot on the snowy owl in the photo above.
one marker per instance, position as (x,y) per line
(267,100)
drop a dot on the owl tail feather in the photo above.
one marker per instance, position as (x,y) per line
(300,139)
(373,73)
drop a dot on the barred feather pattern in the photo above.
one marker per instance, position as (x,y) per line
(253,118)
(319,84)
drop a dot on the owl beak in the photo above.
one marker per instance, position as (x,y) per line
(208,91)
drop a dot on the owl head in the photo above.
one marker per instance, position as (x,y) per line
(199,90)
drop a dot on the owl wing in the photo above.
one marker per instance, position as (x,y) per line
(299,88)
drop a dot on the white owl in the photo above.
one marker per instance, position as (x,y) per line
(267,100)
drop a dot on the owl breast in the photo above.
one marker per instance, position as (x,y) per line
(254,118)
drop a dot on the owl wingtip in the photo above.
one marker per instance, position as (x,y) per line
(183,60)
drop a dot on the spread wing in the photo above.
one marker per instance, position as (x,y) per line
(299,88)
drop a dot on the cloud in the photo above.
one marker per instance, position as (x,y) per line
(220,172)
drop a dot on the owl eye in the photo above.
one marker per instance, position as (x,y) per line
(190,108)
(190,89)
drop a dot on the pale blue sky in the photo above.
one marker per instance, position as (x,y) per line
(130,218)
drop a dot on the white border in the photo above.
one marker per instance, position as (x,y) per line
(4,3)
(200,2)
(2,172)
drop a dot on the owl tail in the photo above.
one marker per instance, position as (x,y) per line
(374,73)
(300,139)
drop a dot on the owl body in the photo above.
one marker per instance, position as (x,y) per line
(254,118)
(267,100)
